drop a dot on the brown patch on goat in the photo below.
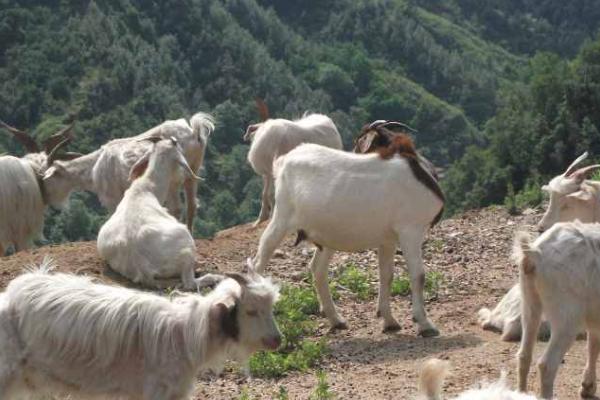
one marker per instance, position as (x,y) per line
(302,236)
(403,145)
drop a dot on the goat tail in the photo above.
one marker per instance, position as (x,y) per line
(432,377)
(45,267)
(523,252)
(202,124)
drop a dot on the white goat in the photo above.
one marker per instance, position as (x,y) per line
(65,335)
(106,171)
(21,204)
(571,197)
(432,378)
(351,202)
(141,240)
(559,275)
(22,200)
(276,137)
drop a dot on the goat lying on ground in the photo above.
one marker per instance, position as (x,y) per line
(351,202)
(63,334)
(432,378)
(106,170)
(572,197)
(275,137)
(22,200)
(559,276)
(141,240)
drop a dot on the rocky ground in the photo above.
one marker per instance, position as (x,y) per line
(471,251)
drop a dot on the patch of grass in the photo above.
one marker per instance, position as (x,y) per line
(357,281)
(433,282)
(322,391)
(244,394)
(282,394)
(293,314)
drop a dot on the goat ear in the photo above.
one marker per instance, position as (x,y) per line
(139,167)
(364,143)
(223,316)
(250,131)
(584,173)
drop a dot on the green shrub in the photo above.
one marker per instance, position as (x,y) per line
(357,281)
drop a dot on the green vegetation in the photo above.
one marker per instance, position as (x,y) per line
(542,125)
(433,281)
(357,281)
(322,391)
(293,313)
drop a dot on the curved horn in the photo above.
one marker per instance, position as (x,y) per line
(396,124)
(377,123)
(263,110)
(26,141)
(54,140)
(585,172)
(53,156)
(571,167)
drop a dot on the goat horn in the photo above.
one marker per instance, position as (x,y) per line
(585,172)
(571,167)
(396,124)
(26,141)
(53,156)
(263,110)
(58,137)
(375,124)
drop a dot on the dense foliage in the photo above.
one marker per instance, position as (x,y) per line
(122,66)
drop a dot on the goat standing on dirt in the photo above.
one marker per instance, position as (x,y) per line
(275,137)
(559,275)
(106,170)
(351,202)
(572,197)
(22,199)
(62,334)
(141,240)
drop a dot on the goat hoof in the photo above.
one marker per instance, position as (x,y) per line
(339,326)
(588,390)
(392,328)
(429,332)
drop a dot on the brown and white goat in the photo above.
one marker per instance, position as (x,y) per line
(350,202)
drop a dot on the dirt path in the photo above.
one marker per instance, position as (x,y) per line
(363,363)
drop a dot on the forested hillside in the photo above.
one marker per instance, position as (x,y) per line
(461,72)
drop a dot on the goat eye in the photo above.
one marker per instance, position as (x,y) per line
(252,313)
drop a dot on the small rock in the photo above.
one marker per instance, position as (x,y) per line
(279,254)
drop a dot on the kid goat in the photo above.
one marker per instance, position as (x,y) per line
(64,335)
(141,240)
(351,202)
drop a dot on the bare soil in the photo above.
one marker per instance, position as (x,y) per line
(471,251)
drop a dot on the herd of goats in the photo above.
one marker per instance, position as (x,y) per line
(67,335)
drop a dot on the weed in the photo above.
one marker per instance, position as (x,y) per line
(433,281)
(282,394)
(292,312)
(357,281)
(322,391)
